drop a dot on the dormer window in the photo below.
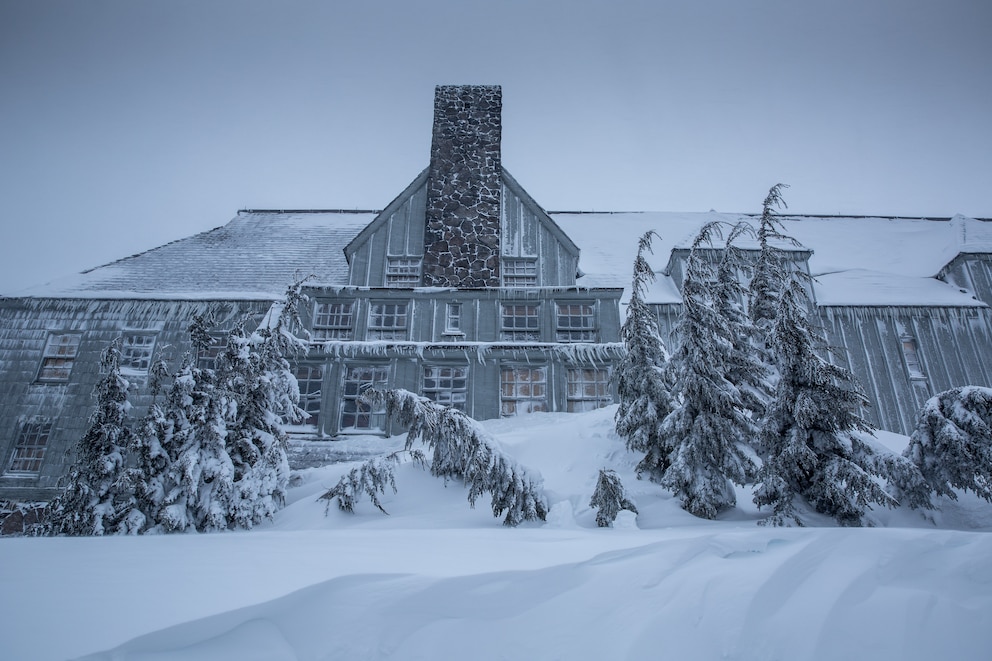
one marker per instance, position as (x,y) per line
(403,271)
(912,358)
(519,272)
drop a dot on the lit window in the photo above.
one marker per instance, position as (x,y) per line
(310,379)
(446,385)
(521,322)
(912,358)
(356,414)
(332,321)
(403,272)
(453,318)
(576,323)
(136,352)
(29,451)
(523,390)
(519,272)
(387,321)
(587,389)
(58,357)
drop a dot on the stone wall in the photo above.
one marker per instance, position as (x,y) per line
(461,244)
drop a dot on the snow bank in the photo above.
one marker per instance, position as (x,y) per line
(436,579)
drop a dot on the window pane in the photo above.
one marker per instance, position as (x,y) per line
(333,321)
(522,390)
(587,389)
(32,440)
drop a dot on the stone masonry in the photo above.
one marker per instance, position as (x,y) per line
(461,243)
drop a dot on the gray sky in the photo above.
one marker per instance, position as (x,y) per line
(126,124)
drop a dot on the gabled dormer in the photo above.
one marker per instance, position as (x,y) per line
(464,222)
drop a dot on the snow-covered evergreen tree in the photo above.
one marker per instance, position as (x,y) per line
(710,427)
(642,387)
(371,478)
(745,368)
(461,449)
(96,498)
(261,391)
(152,452)
(952,442)
(767,279)
(810,434)
(609,498)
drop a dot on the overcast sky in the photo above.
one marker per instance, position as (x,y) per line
(125,124)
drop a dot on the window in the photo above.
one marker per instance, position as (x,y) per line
(387,321)
(403,272)
(206,358)
(32,439)
(519,272)
(136,352)
(521,322)
(912,358)
(523,390)
(453,318)
(332,321)
(446,385)
(58,357)
(310,379)
(576,322)
(587,389)
(355,413)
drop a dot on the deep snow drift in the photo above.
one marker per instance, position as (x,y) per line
(438,580)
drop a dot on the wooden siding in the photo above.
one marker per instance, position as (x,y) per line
(25,325)
(528,232)
(972,272)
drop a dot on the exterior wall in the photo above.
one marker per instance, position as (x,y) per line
(953,347)
(25,325)
(479,344)
(397,232)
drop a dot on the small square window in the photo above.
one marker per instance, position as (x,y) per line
(523,390)
(206,358)
(446,385)
(521,322)
(58,357)
(29,450)
(576,322)
(333,321)
(136,352)
(587,389)
(387,321)
(403,271)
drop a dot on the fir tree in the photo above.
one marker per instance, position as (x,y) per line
(952,442)
(96,499)
(461,450)
(609,498)
(812,450)
(766,282)
(152,452)
(642,387)
(711,426)
(262,391)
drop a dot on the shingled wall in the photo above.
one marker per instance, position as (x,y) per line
(461,243)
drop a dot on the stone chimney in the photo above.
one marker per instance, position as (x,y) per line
(461,243)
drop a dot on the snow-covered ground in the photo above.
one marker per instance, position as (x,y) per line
(438,580)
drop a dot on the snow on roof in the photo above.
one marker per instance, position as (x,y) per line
(254,256)
(860,261)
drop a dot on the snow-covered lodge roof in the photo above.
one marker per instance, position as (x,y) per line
(857,261)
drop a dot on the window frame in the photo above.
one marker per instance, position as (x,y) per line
(513,392)
(30,430)
(569,332)
(577,396)
(519,271)
(453,319)
(443,386)
(307,375)
(137,353)
(379,329)
(330,325)
(59,356)
(403,271)
(529,330)
(377,375)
